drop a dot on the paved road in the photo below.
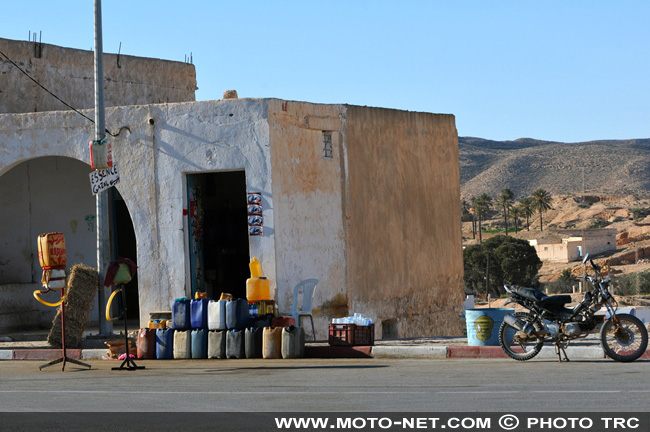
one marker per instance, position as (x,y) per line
(329,385)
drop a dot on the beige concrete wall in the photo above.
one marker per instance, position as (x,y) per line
(402,211)
(551,252)
(309,235)
(69,74)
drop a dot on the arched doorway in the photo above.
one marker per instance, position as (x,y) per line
(42,195)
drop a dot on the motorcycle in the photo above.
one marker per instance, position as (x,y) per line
(623,337)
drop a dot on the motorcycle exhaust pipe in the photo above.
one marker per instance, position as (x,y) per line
(514,322)
(520,325)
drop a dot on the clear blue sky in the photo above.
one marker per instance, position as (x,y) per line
(554,70)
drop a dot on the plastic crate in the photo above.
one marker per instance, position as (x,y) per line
(351,334)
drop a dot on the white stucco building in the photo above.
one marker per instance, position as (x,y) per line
(363,199)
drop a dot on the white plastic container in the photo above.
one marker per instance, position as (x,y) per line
(182,344)
(217,314)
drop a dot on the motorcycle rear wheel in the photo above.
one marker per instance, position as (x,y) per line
(521,350)
(624,343)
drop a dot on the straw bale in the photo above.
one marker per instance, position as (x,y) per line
(80,297)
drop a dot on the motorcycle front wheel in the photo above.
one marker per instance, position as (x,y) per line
(625,338)
(515,346)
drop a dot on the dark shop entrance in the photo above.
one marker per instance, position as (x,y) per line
(124,246)
(218,233)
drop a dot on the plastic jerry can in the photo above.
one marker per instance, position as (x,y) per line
(199,344)
(181,314)
(146,345)
(235,344)
(199,314)
(253,342)
(51,250)
(217,344)
(237,314)
(217,314)
(293,342)
(182,344)
(272,343)
(257,287)
(164,343)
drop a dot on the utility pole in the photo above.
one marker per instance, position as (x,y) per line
(103,233)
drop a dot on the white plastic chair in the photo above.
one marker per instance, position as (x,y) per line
(303,294)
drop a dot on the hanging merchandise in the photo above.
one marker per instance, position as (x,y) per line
(101,155)
(255,218)
(51,250)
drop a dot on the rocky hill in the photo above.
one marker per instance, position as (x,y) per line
(608,167)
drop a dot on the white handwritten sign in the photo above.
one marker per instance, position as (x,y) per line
(101,180)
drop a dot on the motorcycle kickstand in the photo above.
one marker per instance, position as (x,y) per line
(559,348)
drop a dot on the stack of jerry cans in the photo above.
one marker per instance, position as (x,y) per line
(217,315)
(199,313)
(235,348)
(182,344)
(199,343)
(146,345)
(272,343)
(217,344)
(237,314)
(253,342)
(164,343)
(293,342)
(181,314)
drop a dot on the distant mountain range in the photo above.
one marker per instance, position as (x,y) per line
(616,167)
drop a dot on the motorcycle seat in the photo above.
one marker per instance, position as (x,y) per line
(539,297)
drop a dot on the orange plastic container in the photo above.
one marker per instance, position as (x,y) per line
(258,288)
(51,250)
(272,343)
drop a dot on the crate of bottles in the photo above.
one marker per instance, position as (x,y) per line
(351,334)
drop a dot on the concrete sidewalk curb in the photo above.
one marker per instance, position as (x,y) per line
(437,352)
(94,354)
(417,352)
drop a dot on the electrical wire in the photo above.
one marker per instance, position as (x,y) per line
(59,99)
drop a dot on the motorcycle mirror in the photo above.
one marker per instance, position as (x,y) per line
(584,260)
(594,265)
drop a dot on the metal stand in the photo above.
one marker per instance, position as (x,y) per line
(64,357)
(128,363)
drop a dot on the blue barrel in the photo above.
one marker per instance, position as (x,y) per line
(199,313)
(200,344)
(483,325)
(237,314)
(181,314)
(164,343)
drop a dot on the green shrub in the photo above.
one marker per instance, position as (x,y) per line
(639,213)
(633,284)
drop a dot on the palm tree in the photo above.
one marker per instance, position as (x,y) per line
(466,213)
(505,201)
(527,205)
(481,206)
(542,202)
(516,212)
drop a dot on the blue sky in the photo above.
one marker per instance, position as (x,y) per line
(555,70)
